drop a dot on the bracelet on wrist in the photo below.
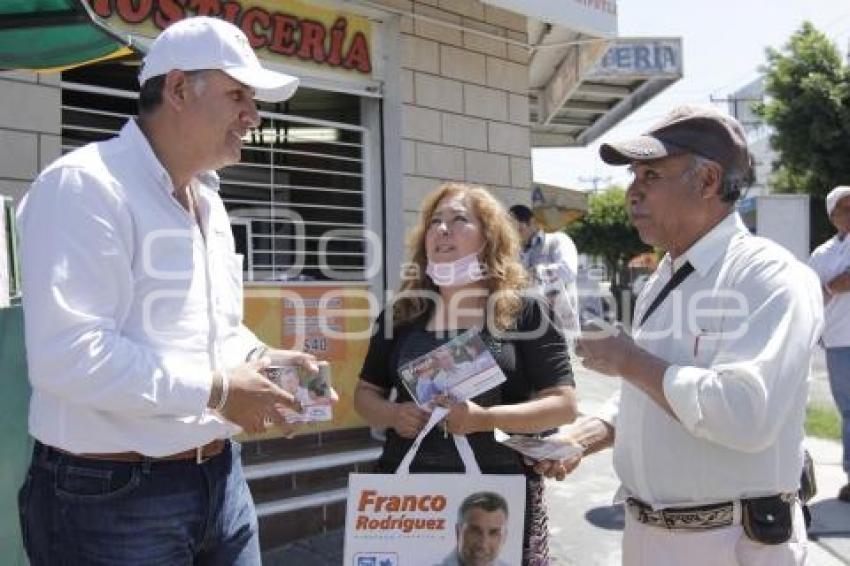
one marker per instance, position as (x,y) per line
(225,389)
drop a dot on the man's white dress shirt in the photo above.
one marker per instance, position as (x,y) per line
(552,261)
(128,305)
(829,260)
(739,333)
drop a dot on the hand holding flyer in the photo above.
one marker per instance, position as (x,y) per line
(459,370)
(312,390)
(537,448)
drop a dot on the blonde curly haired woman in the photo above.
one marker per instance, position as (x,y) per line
(465,273)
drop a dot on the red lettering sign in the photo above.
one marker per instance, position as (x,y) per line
(280,33)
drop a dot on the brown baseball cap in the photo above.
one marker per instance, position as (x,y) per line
(694,129)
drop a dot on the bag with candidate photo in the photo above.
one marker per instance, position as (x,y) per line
(406,519)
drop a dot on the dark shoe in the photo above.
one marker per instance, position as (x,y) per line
(844,493)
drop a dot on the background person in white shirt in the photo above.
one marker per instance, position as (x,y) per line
(133,306)
(711,408)
(552,263)
(831,261)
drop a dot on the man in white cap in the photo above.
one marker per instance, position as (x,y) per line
(707,427)
(140,366)
(831,261)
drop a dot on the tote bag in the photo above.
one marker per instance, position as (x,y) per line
(406,519)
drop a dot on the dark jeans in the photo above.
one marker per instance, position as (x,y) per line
(838,366)
(77,511)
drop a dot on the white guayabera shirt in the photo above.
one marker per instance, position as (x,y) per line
(738,333)
(830,260)
(128,305)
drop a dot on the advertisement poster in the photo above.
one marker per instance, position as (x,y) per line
(421,520)
(331,321)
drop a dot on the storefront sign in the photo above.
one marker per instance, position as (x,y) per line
(641,57)
(291,31)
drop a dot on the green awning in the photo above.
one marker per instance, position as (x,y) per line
(51,35)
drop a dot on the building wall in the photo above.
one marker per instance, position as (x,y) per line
(29,128)
(465,101)
(464,112)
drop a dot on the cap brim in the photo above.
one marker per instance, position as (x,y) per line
(643,148)
(270,86)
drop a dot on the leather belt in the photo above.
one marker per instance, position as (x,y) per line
(699,518)
(199,454)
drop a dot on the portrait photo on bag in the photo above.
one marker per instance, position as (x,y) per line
(434,520)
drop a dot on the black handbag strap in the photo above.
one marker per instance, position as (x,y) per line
(680,275)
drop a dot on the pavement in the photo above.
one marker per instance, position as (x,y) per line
(586,529)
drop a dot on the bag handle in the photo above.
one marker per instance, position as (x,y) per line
(462,444)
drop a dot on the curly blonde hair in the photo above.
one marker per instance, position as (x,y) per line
(506,276)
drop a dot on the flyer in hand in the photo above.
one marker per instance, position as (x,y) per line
(312,390)
(537,448)
(460,369)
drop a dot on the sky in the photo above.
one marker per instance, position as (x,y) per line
(724,45)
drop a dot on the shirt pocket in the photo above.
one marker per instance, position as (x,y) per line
(705,343)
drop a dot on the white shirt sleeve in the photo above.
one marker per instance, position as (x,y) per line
(819,263)
(565,257)
(78,285)
(609,411)
(239,342)
(741,401)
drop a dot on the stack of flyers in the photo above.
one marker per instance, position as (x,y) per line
(537,448)
(460,369)
(312,390)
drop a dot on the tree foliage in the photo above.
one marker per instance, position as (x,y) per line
(809,110)
(606,231)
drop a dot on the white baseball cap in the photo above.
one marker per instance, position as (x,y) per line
(834,196)
(200,43)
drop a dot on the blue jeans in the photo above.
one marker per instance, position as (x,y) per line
(838,366)
(78,511)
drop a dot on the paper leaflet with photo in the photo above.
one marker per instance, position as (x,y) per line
(459,369)
(537,448)
(312,390)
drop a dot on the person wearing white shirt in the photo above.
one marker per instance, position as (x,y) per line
(707,427)
(552,264)
(831,261)
(133,309)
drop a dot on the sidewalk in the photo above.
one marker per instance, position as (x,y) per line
(585,529)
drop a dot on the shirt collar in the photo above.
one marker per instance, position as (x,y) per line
(134,136)
(710,247)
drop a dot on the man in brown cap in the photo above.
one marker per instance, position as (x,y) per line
(708,425)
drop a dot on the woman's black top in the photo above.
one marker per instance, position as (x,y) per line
(534,357)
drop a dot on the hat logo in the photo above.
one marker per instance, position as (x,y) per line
(637,150)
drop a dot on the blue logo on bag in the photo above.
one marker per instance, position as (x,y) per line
(376,559)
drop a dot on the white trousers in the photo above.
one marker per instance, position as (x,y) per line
(644,545)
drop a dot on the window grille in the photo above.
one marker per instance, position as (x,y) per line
(297,198)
